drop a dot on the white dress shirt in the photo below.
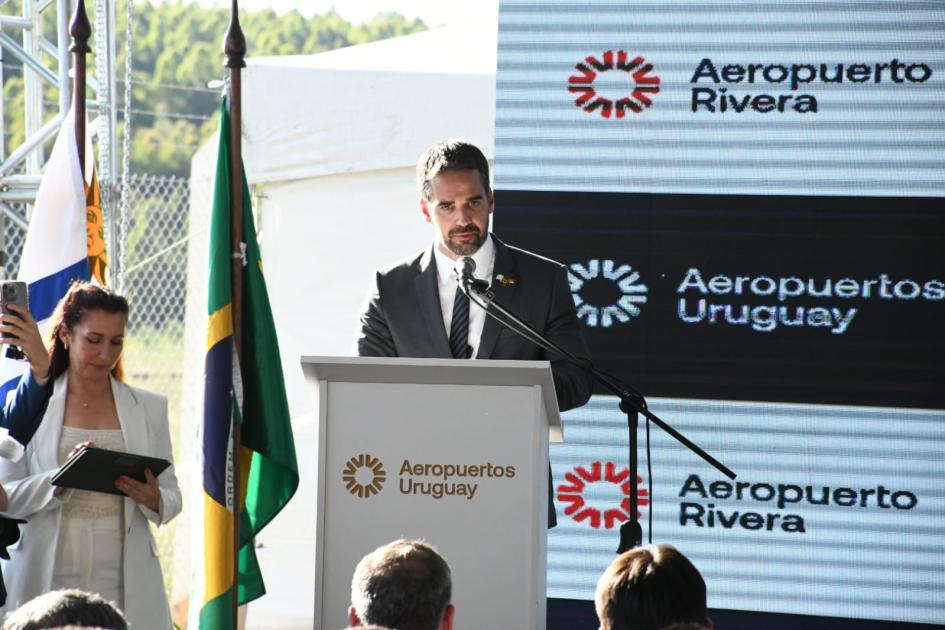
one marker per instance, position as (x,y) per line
(448,279)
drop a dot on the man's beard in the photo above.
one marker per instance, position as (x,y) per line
(468,248)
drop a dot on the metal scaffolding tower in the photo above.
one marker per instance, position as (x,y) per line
(45,62)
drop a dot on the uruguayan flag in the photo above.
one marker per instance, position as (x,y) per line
(55,252)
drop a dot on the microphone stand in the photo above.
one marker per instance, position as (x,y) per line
(632,402)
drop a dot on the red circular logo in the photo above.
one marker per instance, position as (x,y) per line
(577,480)
(638,69)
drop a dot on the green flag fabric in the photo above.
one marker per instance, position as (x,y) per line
(250,393)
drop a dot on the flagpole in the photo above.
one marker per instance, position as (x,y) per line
(81,31)
(234,49)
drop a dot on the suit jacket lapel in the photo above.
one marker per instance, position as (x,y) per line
(134,429)
(46,439)
(134,426)
(428,295)
(504,293)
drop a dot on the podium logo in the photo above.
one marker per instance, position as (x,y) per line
(604,293)
(604,486)
(618,72)
(364,475)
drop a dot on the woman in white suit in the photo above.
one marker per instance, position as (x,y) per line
(92,541)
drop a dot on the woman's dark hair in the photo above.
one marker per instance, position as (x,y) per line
(81,298)
(648,588)
(450,155)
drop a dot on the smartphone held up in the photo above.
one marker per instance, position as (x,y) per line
(13,292)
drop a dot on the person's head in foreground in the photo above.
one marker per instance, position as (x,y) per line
(649,588)
(63,608)
(405,585)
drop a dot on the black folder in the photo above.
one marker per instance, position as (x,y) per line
(97,469)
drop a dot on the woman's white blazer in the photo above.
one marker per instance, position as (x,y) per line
(29,571)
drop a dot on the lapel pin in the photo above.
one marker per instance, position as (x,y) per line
(505,280)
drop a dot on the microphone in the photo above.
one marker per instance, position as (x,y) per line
(469,268)
(472,285)
(469,281)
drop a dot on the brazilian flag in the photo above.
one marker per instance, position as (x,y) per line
(249,393)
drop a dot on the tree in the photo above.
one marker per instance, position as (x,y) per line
(177,50)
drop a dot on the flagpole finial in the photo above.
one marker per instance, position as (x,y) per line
(234,44)
(80,29)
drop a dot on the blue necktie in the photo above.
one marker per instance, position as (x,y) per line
(459,329)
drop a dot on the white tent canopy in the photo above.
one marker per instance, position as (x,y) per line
(330,143)
(369,107)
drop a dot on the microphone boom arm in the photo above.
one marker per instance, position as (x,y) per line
(631,400)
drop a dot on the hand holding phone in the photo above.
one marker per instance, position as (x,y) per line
(19,329)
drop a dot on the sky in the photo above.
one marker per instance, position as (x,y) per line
(432,12)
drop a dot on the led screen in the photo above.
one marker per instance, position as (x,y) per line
(749,198)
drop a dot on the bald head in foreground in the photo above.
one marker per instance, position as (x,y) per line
(649,588)
(404,584)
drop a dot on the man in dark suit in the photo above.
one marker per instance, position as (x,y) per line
(415,310)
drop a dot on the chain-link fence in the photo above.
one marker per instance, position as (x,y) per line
(155,278)
(155,281)
(11,243)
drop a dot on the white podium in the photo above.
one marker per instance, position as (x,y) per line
(454,452)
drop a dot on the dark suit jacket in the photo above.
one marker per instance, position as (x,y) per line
(402,317)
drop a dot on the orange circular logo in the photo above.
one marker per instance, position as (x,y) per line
(364,475)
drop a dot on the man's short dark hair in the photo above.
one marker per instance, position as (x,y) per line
(404,584)
(450,155)
(648,588)
(66,608)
